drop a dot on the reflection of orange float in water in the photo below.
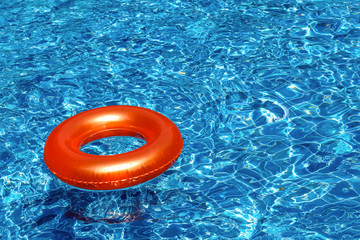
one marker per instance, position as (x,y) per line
(63,156)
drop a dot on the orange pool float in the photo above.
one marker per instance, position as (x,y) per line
(105,172)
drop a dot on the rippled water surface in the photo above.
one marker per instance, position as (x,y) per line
(265,94)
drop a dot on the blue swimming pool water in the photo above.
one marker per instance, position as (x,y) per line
(265,94)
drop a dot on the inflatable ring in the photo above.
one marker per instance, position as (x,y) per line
(63,157)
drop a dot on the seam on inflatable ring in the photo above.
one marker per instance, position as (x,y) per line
(121,180)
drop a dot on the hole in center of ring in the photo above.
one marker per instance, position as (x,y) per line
(112,145)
